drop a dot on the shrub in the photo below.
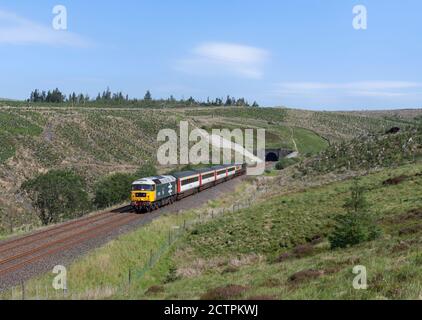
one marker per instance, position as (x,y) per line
(284,163)
(146,170)
(112,189)
(172,275)
(305,275)
(357,225)
(58,195)
(228,292)
(154,290)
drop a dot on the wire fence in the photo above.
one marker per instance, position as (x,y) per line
(136,274)
(41,291)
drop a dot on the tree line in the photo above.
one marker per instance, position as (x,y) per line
(56,96)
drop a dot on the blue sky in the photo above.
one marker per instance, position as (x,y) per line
(296,53)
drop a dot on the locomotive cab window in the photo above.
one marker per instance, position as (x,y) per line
(143,187)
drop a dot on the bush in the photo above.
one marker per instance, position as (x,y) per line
(147,170)
(116,188)
(357,225)
(112,190)
(228,292)
(284,163)
(58,195)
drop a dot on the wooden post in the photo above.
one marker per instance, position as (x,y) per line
(11,224)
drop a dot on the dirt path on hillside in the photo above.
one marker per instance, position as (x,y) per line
(293,139)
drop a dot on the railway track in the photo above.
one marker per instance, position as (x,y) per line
(20,252)
(24,257)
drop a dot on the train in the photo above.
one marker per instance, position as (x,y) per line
(149,194)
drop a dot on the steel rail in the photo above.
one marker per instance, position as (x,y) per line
(94,233)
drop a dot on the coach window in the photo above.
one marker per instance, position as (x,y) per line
(211,175)
(189,181)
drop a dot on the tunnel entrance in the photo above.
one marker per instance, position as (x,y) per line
(271,157)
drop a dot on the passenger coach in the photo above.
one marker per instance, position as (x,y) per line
(149,194)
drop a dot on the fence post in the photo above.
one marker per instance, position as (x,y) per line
(11,225)
(184,224)
(150,258)
(129,276)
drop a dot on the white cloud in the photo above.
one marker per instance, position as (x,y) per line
(16,30)
(216,58)
(380,89)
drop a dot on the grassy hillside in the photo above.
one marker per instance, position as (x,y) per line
(280,133)
(273,115)
(368,152)
(341,126)
(91,142)
(95,141)
(278,250)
